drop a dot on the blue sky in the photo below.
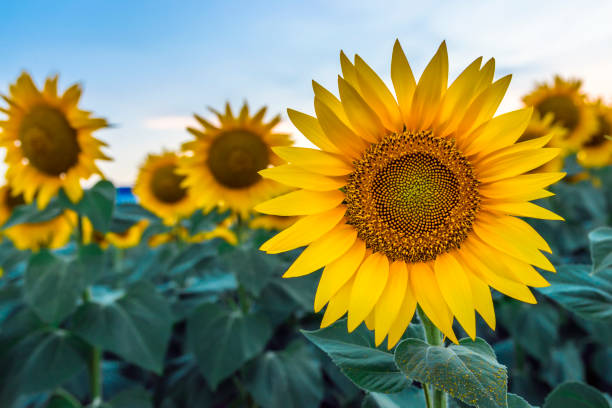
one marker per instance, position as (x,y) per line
(148,65)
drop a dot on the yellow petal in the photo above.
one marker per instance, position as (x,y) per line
(324,250)
(330,100)
(72,188)
(404,317)
(348,71)
(403,81)
(338,304)
(337,273)
(391,300)
(429,90)
(484,106)
(499,239)
(370,281)
(316,161)
(337,132)
(309,126)
(523,210)
(507,188)
(378,96)
(362,118)
(304,231)
(430,298)
(501,131)
(514,164)
(302,202)
(294,176)
(370,320)
(456,290)
(483,302)
(519,230)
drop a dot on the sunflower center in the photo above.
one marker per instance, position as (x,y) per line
(166,184)
(604,129)
(48,141)
(236,156)
(563,108)
(412,197)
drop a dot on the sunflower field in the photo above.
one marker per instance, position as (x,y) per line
(425,252)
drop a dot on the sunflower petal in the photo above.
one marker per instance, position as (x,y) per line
(302,202)
(316,161)
(391,300)
(294,176)
(362,118)
(403,81)
(429,90)
(309,126)
(338,304)
(370,282)
(337,132)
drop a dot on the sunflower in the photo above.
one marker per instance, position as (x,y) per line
(128,238)
(160,188)
(596,151)
(567,103)
(53,233)
(544,126)
(181,234)
(48,140)
(413,200)
(222,163)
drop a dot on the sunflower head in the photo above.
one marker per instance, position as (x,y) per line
(160,188)
(49,141)
(53,233)
(128,238)
(565,101)
(222,163)
(414,197)
(596,150)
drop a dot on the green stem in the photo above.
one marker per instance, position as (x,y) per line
(434,337)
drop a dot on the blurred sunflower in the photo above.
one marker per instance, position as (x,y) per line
(128,238)
(567,103)
(544,126)
(160,188)
(596,151)
(48,140)
(415,200)
(181,234)
(53,233)
(271,222)
(222,163)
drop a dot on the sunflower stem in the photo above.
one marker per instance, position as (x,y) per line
(434,398)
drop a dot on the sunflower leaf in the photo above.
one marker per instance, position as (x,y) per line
(136,325)
(369,367)
(601,248)
(409,397)
(29,213)
(97,204)
(222,339)
(575,395)
(468,371)
(290,378)
(587,295)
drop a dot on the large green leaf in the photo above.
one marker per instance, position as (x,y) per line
(190,257)
(97,204)
(468,371)
(601,248)
(62,399)
(514,401)
(587,295)
(253,268)
(223,339)
(576,395)
(409,397)
(136,326)
(29,213)
(565,364)
(132,398)
(52,286)
(290,378)
(369,367)
(40,361)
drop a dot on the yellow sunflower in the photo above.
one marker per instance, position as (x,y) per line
(182,234)
(221,164)
(413,198)
(48,140)
(54,233)
(567,103)
(596,151)
(128,238)
(160,188)
(544,126)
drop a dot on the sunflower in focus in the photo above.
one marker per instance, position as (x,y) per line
(596,151)
(53,233)
(567,103)
(544,126)
(49,141)
(221,165)
(161,190)
(414,198)
(128,238)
